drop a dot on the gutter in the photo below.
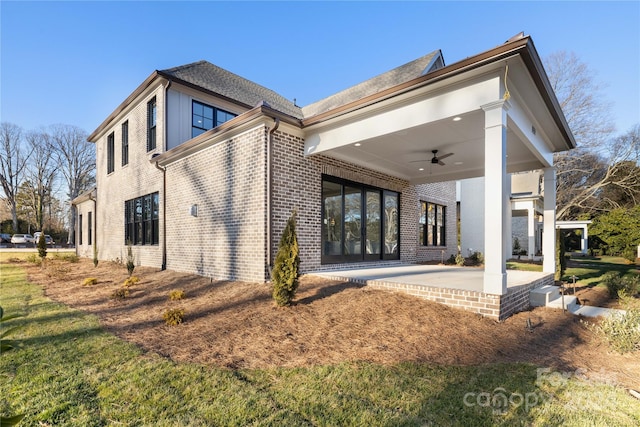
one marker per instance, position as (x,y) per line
(269,184)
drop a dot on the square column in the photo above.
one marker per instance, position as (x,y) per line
(496,198)
(584,243)
(549,222)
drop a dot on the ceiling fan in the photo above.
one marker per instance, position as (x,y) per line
(435,160)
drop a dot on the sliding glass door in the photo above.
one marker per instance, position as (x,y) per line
(359,223)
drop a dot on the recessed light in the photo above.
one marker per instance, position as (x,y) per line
(457,119)
(457,163)
(357,144)
(421,169)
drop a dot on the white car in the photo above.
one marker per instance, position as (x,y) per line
(22,238)
(47,239)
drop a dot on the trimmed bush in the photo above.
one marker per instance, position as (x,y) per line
(286,269)
(89,281)
(34,259)
(177,294)
(120,293)
(617,284)
(561,261)
(174,316)
(130,281)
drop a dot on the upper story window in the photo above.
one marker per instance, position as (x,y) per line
(206,117)
(110,153)
(432,224)
(151,124)
(125,143)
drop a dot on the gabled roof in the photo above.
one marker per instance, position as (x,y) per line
(214,79)
(398,75)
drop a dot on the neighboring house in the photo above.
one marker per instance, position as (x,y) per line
(199,168)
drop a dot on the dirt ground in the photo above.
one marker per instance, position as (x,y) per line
(236,324)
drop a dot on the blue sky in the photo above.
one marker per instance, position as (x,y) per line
(74,62)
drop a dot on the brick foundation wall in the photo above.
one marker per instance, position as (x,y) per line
(493,306)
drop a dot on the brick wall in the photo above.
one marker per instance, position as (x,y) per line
(297,184)
(227,238)
(138,178)
(493,306)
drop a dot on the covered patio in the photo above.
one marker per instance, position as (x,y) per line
(486,116)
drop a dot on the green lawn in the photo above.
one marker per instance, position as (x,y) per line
(69,371)
(587,270)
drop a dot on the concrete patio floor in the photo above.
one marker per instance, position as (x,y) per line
(439,276)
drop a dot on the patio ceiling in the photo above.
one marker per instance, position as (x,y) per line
(397,133)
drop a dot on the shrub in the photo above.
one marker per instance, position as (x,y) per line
(120,293)
(130,281)
(622,331)
(95,255)
(42,246)
(617,284)
(459,260)
(131,260)
(69,257)
(451,260)
(34,259)
(58,271)
(90,281)
(286,269)
(561,261)
(476,258)
(174,316)
(176,294)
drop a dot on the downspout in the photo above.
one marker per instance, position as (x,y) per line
(164,179)
(269,184)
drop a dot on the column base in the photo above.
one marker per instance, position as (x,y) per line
(495,283)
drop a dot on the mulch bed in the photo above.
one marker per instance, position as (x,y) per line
(236,324)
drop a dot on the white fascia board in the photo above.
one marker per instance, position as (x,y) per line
(400,114)
(522,123)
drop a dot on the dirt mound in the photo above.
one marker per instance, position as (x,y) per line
(237,325)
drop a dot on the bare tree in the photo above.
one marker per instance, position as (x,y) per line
(585,173)
(77,164)
(40,175)
(13,160)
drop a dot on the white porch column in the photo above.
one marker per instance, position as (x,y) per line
(531,232)
(496,197)
(549,221)
(584,244)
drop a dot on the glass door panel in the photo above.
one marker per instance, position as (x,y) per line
(391,234)
(373,226)
(332,219)
(352,221)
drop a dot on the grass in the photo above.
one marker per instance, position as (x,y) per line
(69,371)
(587,270)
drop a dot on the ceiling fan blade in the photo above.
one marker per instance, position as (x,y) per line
(444,156)
(441,163)
(418,161)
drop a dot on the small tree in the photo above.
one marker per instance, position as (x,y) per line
(561,261)
(286,269)
(42,246)
(131,260)
(95,255)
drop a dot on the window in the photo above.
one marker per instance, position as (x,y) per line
(89,228)
(205,117)
(110,153)
(125,143)
(151,124)
(359,223)
(141,223)
(432,224)
(79,230)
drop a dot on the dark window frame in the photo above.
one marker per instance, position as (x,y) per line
(152,113)
(89,228)
(438,235)
(79,229)
(141,220)
(216,117)
(363,256)
(125,143)
(111,153)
